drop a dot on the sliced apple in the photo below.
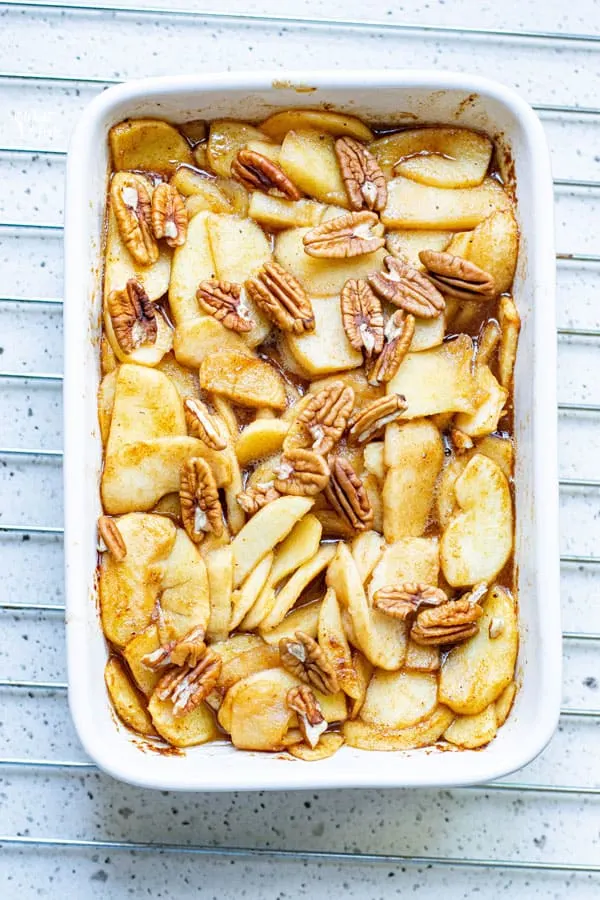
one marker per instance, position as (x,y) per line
(444,157)
(201,192)
(243,379)
(329,743)
(366,736)
(338,124)
(414,455)
(305,618)
(150,144)
(414,206)
(184,598)
(471,732)
(373,459)
(493,246)
(399,699)
(144,643)
(422,659)
(408,244)
(192,263)
(225,140)
(490,407)
(260,438)
(308,158)
(146,405)
(333,643)
(244,598)
(126,699)
(327,348)
(255,711)
(190,729)
(146,354)
(265,148)
(120,267)
(292,590)
(367,549)
(504,703)
(106,400)
(219,568)
(198,338)
(478,540)
(407,560)
(277,212)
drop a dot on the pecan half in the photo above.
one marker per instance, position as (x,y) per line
(362,316)
(301,472)
(344,236)
(257,496)
(365,182)
(456,277)
(449,623)
(169,215)
(132,206)
(399,333)
(304,658)
(322,420)
(186,652)
(402,601)
(407,288)
(282,298)
(201,510)
(310,716)
(347,495)
(109,534)
(257,173)
(133,316)
(462,442)
(200,424)
(366,422)
(224,301)
(189,686)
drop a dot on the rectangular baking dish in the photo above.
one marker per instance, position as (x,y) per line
(395,97)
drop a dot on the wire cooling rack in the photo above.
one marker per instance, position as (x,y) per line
(577,416)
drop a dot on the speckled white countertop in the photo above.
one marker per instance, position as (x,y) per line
(84,804)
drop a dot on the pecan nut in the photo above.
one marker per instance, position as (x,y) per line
(448,623)
(322,419)
(301,472)
(169,215)
(365,182)
(130,200)
(347,496)
(201,510)
(399,333)
(310,716)
(302,656)
(109,534)
(224,301)
(257,496)
(365,423)
(187,687)
(133,317)
(407,288)
(403,601)
(201,425)
(458,278)
(352,234)
(281,298)
(362,317)
(186,652)
(462,442)
(258,173)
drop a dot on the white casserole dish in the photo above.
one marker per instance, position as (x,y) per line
(379,97)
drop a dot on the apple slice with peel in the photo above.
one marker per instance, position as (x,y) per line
(414,206)
(225,140)
(338,124)
(150,144)
(308,158)
(444,157)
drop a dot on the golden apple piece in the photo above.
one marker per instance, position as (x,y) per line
(365,736)
(186,382)
(382,639)
(422,659)
(255,711)
(414,455)
(490,407)
(304,618)
(308,158)
(444,157)
(225,140)
(363,670)
(195,339)
(126,699)
(144,643)
(298,548)
(234,645)
(407,560)
(445,498)
(332,641)
(475,673)
(201,192)
(498,449)
(264,531)
(243,379)
(184,598)
(291,591)
(120,267)
(219,568)
(327,348)
(192,263)
(188,730)
(321,277)
(373,459)
(437,380)
(329,743)
(255,659)
(399,699)
(259,439)
(407,244)
(478,540)
(150,144)
(108,360)
(367,549)
(337,124)
(510,324)
(277,212)
(128,590)
(470,732)
(244,598)
(266,148)
(106,400)
(493,246)
(428,333)
(149,354)
(418,206)
(504,703)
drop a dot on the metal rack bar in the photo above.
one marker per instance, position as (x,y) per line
(44,454)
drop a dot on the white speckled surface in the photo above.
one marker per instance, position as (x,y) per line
(85,804)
